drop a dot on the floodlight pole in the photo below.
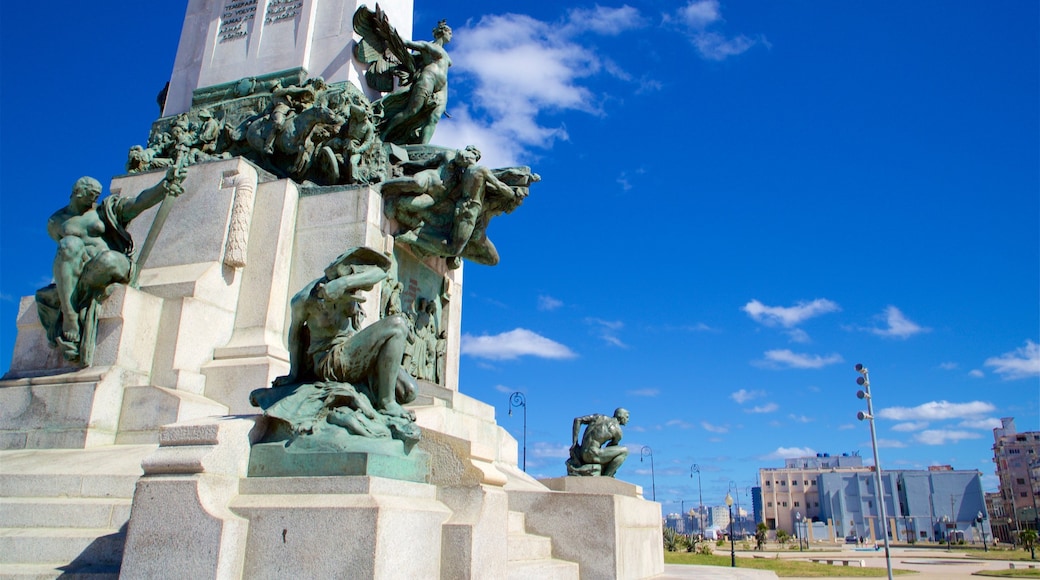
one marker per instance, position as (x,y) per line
(864,381)
(517,399)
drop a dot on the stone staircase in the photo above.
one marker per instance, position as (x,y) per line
(530,556)
(63,512)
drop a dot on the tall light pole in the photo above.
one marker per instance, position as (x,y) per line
(700,498)
(864,381)
(517,399)
(653,482)
(732,546)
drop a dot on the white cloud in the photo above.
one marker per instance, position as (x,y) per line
(910,426)
(549,450)
(716,46)
(976,374)
(743,395)
(800,360)
(847,427)
(548,303)
(788,316)
(604,20)
(504,389)
(767,408)
(520,68)
(644,392)
(697,16)
(890,443)
(943,436)
(790,453)
(798,335)
(607,330)
(513,344)
(800,418)
(897,325)
(937,411)
(948,366)
(988,423)
(680,424)
(714,428)
(700,13)
(1022,363)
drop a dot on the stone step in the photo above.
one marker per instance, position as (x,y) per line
(64,512)
(67,485)
(62,546)
(521,547)
(52,571)
(543,570)
(107,471)
(516,523)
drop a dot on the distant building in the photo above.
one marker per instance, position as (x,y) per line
(920,505)
(1017,457)
(838,492)
(718,517)
(998,516)
(792,489)
(756,505)
(676,522)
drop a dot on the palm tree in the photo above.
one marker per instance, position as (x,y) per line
(782,537)
(1028,539)
(761,532)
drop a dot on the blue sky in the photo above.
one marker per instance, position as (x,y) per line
(740,201)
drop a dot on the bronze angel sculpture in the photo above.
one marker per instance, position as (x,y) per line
(411,112)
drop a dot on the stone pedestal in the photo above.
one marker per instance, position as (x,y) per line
(341,527)
(604,526)
(46,404)
(374,457)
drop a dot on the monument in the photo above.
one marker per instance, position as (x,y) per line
(269,384)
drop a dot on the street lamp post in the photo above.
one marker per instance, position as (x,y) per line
(732,546)
(653,482)
(518,399)
(946,527)
(736,490)
(700,497)
(864,381)
(982,531)
(798,528)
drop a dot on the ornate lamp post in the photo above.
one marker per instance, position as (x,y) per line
(946,529)
(653,482)
(982,530)
(700,498)
(517,399)
(736,490)
(864,381)
(732,546)
(798,528)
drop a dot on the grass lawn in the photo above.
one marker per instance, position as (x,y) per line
(1034,573)
(1015,555)
(781,567)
